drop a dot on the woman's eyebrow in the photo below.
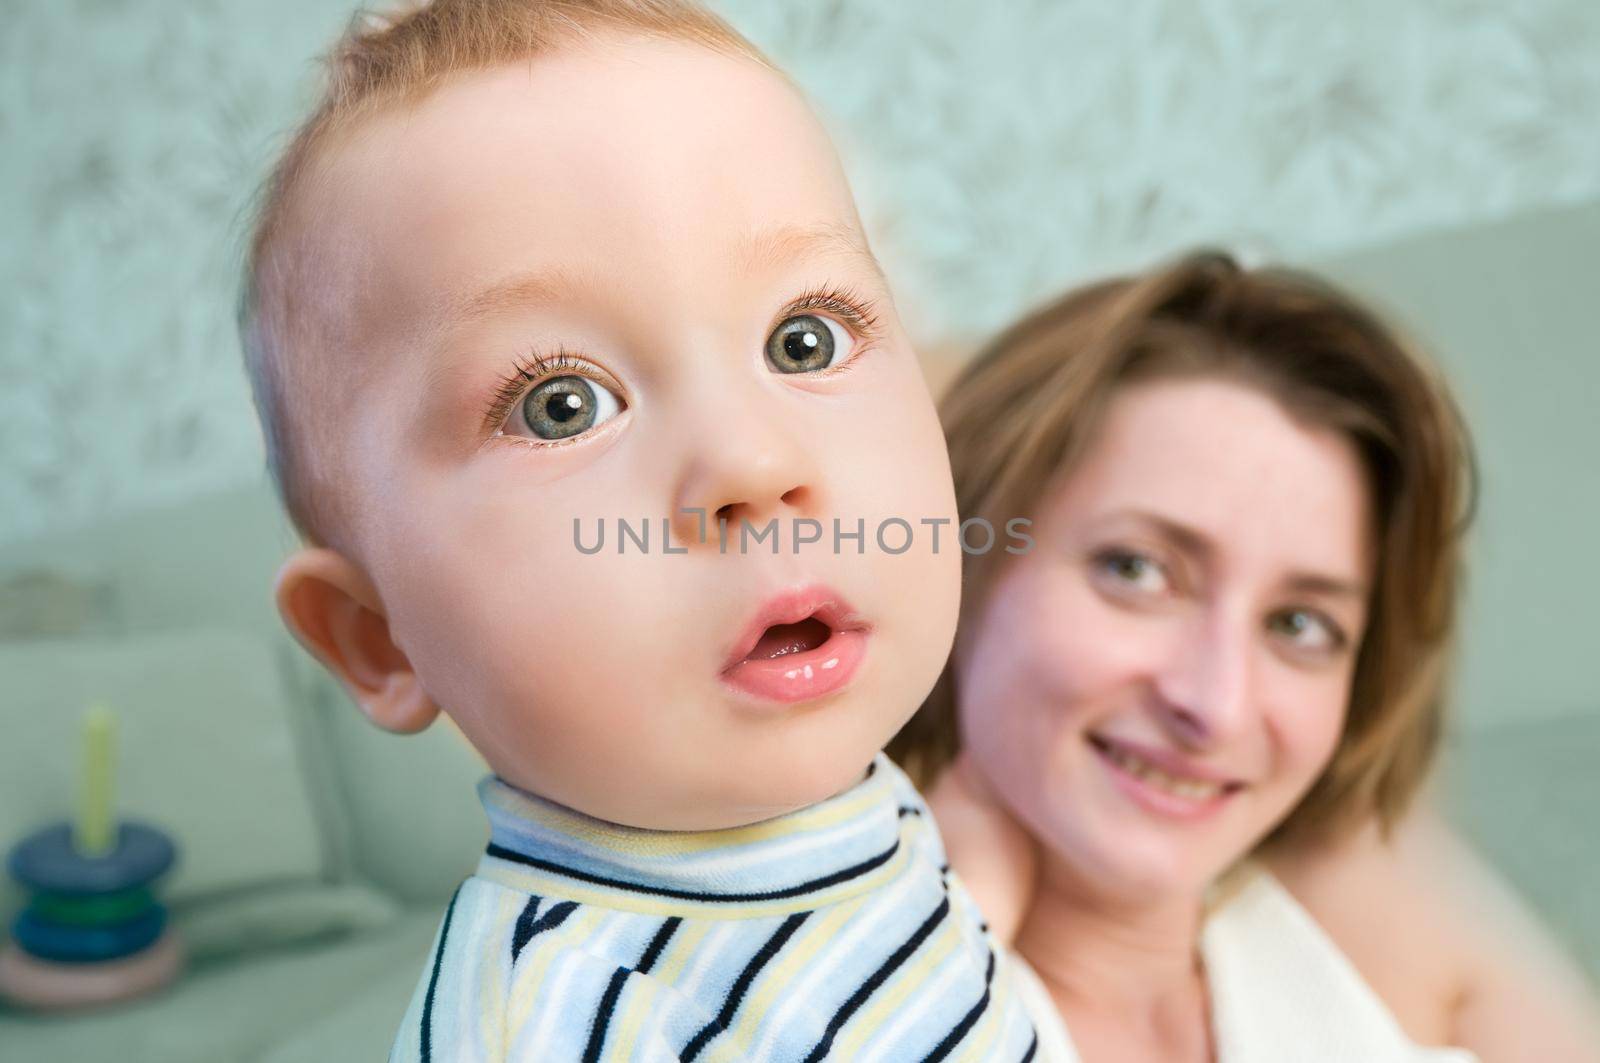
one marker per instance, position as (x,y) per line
(1316,583)
(1195,543)
(1185,538)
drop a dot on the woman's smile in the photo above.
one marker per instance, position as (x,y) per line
(1163,783)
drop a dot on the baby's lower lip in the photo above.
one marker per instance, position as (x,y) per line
(803,676)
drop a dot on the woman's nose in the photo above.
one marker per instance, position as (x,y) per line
(1205,690)
(748,463)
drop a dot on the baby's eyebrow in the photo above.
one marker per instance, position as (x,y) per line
(788,242)
(757,248)
(523,289)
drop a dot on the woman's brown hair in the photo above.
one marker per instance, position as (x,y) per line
(1020,415)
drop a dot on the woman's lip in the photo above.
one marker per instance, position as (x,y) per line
(790,607)
(1171,763)
(1157,799)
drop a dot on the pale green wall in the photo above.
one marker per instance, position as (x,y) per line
(1509,310)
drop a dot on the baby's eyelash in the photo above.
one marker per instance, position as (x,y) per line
(857,311)
(527,370)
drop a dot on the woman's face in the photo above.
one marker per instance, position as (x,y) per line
(1157,682)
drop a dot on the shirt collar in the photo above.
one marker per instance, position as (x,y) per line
(818,854)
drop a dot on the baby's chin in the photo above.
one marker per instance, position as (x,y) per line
(795,784)
(699,760)
(751,785)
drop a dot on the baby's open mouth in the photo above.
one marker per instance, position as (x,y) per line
(801,644)
(782,639)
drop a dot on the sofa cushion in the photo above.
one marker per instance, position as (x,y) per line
(288,913)
(416,828)
(363,1027)
(233,1011)
(1525,795)
(205,751)
(203,561)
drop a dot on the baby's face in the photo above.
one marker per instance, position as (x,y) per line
(669,231)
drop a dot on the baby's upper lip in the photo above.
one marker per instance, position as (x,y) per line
(790,606)
(1169,762)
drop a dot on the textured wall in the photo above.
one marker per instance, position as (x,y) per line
(1000,149)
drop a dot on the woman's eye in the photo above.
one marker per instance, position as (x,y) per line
(806,343)
(566,406)
(1133,571)
(1307,630)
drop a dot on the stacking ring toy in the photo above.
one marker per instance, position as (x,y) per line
(92,932)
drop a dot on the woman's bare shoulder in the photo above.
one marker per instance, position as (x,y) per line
(1380,902)
(1445,942)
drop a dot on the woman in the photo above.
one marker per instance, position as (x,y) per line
(1185,729)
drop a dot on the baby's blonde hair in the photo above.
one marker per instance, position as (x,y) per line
(289,325)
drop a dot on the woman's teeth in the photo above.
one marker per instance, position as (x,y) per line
(1189,789)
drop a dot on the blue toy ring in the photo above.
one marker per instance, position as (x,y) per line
(85,944)
(47,861)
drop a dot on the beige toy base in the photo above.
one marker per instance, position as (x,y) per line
(34,983)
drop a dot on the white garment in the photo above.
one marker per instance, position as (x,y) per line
(1280,991)
(1055,1044)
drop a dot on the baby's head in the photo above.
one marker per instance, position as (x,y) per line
(536,268)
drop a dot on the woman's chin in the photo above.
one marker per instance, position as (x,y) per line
(1125,868)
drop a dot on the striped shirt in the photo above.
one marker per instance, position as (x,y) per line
(834,932)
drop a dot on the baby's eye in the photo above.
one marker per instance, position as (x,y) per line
(806,343)
(1307,630)
(565,406)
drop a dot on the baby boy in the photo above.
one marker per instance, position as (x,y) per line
(534,269)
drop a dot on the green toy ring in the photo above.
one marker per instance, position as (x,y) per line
(93,909)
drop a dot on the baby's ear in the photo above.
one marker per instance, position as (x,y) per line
(332,609)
